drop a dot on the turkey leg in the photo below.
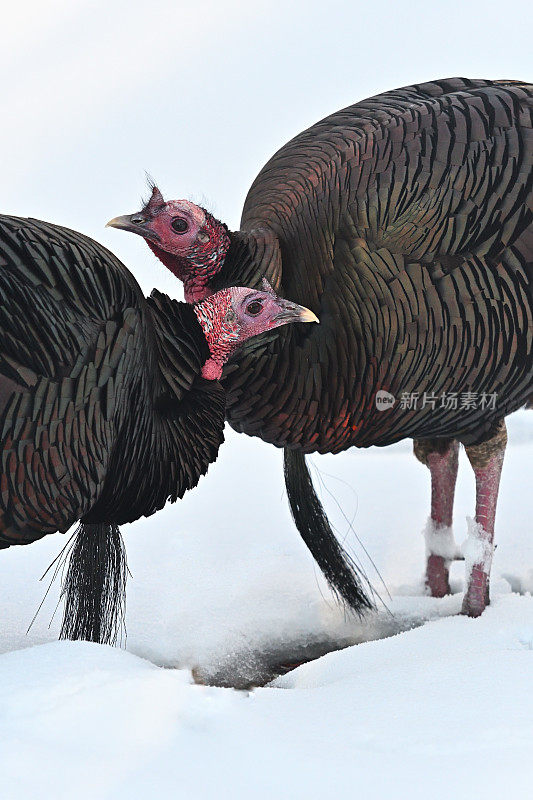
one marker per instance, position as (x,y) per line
(441,457)
(486,460)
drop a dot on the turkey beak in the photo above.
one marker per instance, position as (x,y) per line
(292,312)
(134,223)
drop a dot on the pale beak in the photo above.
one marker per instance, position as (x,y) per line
(134,223)
(292,312)
(306,315)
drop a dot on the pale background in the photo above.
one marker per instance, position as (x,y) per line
(199,95)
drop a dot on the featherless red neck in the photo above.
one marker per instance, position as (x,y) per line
(199,262)
(221,329)
(231,316)
(189,241)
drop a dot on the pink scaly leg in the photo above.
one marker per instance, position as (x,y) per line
(487,462)
(441,457)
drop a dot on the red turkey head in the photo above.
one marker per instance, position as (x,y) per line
(231,316)
(184,236)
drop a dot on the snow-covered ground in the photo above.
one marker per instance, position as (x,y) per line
(423,704)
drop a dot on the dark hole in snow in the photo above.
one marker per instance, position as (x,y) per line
(247,669)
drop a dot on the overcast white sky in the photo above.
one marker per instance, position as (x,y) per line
(200,94)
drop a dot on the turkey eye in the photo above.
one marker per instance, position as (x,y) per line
(254,308)
(179,225)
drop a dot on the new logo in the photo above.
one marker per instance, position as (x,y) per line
(384,400)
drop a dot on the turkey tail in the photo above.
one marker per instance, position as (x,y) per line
(94,587)
(341,573)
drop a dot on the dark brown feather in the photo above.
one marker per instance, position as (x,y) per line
(103,413)
(405,223)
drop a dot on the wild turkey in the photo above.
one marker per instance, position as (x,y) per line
(109,402)
(405,223)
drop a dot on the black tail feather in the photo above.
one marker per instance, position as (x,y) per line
(94,587)
(340,571)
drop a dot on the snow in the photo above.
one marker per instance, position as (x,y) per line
(420,703)
(477,549)
(440,541)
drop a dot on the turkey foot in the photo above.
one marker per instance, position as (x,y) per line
(441,457)
(437,576)
(487,461)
